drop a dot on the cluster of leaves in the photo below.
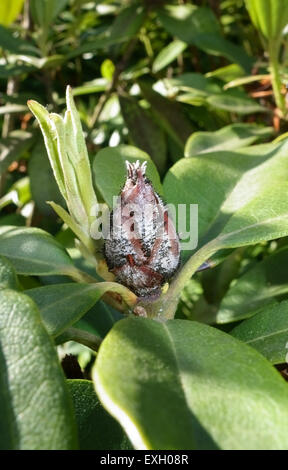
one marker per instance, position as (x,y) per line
(197,90)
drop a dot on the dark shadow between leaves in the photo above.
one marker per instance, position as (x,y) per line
(9,433)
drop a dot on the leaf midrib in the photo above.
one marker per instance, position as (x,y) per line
(263,337)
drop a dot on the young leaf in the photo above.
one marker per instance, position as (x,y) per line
(36,411)
(77,150)
(48,131)
(72,187)
(190,386)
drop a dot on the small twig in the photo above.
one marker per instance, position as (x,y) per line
(80,336)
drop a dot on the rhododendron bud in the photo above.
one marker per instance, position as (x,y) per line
(142,248)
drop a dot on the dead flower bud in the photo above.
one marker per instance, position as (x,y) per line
(142,247)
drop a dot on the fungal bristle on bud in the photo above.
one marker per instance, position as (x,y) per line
(142,249)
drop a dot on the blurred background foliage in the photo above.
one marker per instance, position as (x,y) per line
(150,73)
(174,78)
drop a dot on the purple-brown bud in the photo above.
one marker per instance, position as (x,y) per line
(142,249)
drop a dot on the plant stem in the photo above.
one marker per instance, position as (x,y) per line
(274,50)
(80,336)
(165,307)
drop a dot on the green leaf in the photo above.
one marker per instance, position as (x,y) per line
(94,46)
(8,278)
(61,305)
(168,55)
(194,83)
(36,411)
(200,90)
(13,219)
(169,114)
(200,27)
(107,69)
(110,170)
(262,284)
(49,134)
(235,104)
(144,131)
(187,21)
(239,81)
(71,223)
(19,193)
(96,428)
(9,10)
(228,138)
(227,73)
(94,86)
(7,40)
(77,151)
(42,182)
(128,22)
(267,332)
(13,70)
(45,11)
(69,159)
(33,251)
(240,195)
(172,371)
(72,186)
